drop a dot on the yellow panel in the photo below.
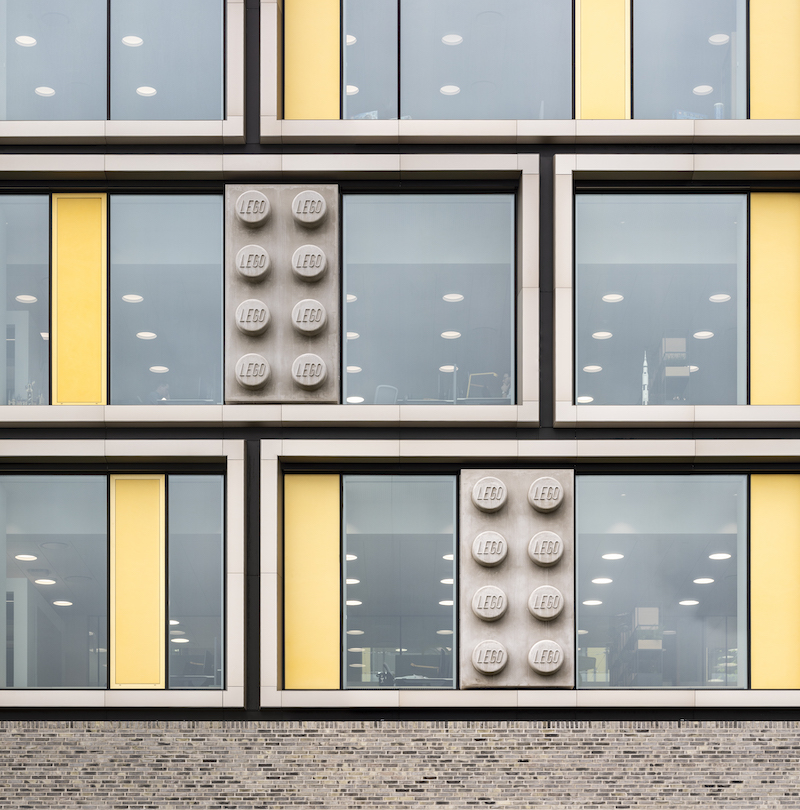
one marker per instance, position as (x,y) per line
(311,566)
(774,59)
(311,62)
(775,299)
(603,69)
(138,607)
(79,299)
(774,595)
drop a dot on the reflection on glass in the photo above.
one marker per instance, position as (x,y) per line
(25,287)
(166,60)
(660,313)
(432,277)
(53,530)
(654,608)
(477,59)
(399,613)
(167,347)
(54,60)
(369,59)
(196,567)
(689,59)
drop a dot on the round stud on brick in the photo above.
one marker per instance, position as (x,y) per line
(252,317)
(546,657)
(309,316)
(252,208)
(309,208)
(546,549)
(489,494)
(309,263)
(309,371)
(252,262)
(252,371)
(489,603)
(546,603)
(489,549)
(546,494)
(489,657)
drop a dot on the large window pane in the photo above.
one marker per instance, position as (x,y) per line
(196,554)
(54,532)
(399,570)
(661,299)
(662,581)
(166,60)
(54,57)
(689,59)
(429,298)
(469,59)
(25,288)
(166,299)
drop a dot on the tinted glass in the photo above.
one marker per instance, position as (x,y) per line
(196,570)
(369,59)
(469,59)
(429,299)
(662,581)
(54,57)
(399,570)
(166,299)
(661,299)
(53,530)
(166,60)
(25,287)
(689,59)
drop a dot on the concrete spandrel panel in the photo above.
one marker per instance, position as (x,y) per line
(282,293)
(516,579)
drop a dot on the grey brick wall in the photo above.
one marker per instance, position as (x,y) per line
(587,764)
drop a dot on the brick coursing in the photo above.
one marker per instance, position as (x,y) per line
(369,764)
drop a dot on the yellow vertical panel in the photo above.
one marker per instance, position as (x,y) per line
(774,59)
(774,594)
(79,299)
(312,589)
(138,617)
(774,299)
(603,49)
(311,59)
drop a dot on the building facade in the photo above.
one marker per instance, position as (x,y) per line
(359,441)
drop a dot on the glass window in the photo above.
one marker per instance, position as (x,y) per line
(196,566)
(166,60)
(662,581)
(429,315)
(660,314)
(54,55)
(54,531)
(166,299)
(399,581)
(689,59)
(459,59)
(25,285)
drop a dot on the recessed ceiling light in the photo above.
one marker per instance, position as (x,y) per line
(45,335)
(132,299)
(670,633)
(582,632)
(351,90)
(358,666)
(26,557)
(180,640)
(44,91)
(54,544)
(592,369)
(352,335)
(689,602)
(352,581)
(444,632)
(692,369)
(601,335)
(353,369)
(350,39)
(26,42)
(159,369)
(401,649)
(446,581)
(613,556)
(705,335)
(132,42)
(144,90)
(350,557)
(719,298)
(453,298)
(62,603)
(451,335)
(719,556)
(592,602)
(450,90)
(585,400)
(452,39)
(446,602)
(146,335)
(703,89)
(447,557)
(602,581)
(447,369)
(719,39)
(352,602)
(174,621)
(613,298)
(703,581)
(355,632)
(355,649)
(177,633)
(45,581)
(27,299)
(351,298)
(355,400)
